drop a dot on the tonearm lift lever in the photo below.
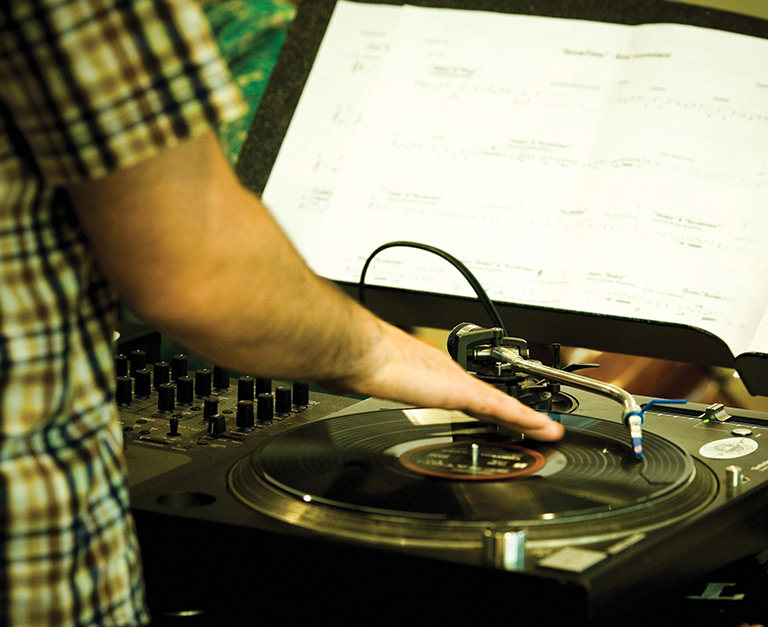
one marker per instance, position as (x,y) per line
(477,348)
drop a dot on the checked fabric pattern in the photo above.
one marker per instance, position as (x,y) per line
(87,87)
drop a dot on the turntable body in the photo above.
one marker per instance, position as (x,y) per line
(364,510)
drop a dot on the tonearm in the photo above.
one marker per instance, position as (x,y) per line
(479,349)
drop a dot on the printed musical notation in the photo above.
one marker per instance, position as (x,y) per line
(331,107)
(580,165)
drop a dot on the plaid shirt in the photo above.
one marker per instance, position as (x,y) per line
(88,87)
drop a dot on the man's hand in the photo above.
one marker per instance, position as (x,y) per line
(200,258)
(411,371)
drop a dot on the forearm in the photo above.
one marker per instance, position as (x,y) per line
(199,257)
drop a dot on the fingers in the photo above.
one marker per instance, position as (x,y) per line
(409,371)
(496,407)
(544,428)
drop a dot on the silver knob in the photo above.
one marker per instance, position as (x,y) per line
(505,547)
(734,476)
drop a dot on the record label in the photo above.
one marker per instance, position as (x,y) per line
(476,461)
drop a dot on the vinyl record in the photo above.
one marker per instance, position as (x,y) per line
(429,475)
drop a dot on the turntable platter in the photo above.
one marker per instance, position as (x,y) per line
(421,477)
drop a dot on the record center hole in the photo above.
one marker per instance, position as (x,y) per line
(186,499)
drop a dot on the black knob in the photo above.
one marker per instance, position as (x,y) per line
(245,388)
(165,397)
(217,425)
(220,378)
(265,407)
(174,425)
(210,407)
(282,401)
(203,380)
(245,415)
(121,365)
(123,394)
(185,390)
(300,395)
(138,360)
(161,374)
(263,386)
(178,366)
(142,383)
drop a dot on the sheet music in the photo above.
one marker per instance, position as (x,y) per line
(581,165)
(329,111)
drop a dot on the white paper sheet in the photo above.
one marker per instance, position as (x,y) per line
(597,167)
(329,111)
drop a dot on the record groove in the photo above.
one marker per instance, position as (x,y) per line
(413,477)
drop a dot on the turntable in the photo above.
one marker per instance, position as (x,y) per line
(370,511)
(258,502)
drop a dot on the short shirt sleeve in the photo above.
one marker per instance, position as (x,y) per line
(99,86)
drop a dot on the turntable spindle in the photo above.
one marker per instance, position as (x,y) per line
(475,454)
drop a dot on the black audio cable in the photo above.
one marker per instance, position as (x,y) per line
(466,273)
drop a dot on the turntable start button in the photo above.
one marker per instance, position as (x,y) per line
(743,432)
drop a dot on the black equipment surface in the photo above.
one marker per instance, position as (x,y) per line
(364,512)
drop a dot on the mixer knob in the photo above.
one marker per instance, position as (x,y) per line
(210,407)
(174,425)
(301,395)
(263,386)
(245,415)
(142,383)
(179,366)
(203,379)
(161,374)
(220,378)
(123,391)
(217,425)
(245,388)
(282,401)
(138,360)
(165,397)
(121,365)
(265,408)
(184,390)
